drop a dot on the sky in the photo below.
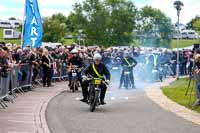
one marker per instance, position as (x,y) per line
(15,8)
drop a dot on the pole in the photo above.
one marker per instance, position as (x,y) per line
(23,22)
(79,39)
(177,66)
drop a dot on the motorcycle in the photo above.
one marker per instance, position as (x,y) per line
(127,79)
(75,82)
(158,74)
(115,71)
(94,92)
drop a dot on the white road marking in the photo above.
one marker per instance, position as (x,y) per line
(126,98)
(16,132)
(78,98)
(112,98)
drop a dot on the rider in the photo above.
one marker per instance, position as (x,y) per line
(75,60)
(96,70)
(129,62)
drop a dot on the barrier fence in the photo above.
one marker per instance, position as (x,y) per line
(21,76)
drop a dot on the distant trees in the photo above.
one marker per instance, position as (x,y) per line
(194,24)
(54,28)
(12,18)
(156,28)
(109,22)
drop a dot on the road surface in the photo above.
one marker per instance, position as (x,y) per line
(125,112)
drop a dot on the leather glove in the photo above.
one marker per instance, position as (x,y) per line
(107,82)
(84,78)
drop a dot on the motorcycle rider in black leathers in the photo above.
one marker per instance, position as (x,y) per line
(129,63)
(96,70)
(75,60)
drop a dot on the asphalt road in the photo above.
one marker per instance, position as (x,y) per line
(125,112)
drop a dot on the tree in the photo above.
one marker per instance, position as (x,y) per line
(194,24)
(155,27)
(105,22)
(121,21)
(54,28)
(95,27)
(12,18)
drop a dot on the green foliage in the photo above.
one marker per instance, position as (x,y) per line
(54,28)
(194,24)
(155,27)
(110,22)
(121,21)
(69,41)
(176,92)
(105,22)
(184,43)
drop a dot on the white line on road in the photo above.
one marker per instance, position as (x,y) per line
(112,98)
(78,98)
(126,98)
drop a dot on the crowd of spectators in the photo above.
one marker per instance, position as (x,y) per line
(58,57)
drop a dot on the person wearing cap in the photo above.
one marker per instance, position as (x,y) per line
(96,70)
(129,62)
(75,60)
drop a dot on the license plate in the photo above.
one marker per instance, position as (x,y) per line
(126,73)
(97,82)
(74,74)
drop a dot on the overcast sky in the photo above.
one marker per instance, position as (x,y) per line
(15,8)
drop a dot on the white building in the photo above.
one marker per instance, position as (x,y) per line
(10,23)
(5,24)
(15,23)
(11,34)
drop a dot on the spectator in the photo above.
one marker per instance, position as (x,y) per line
(46,67)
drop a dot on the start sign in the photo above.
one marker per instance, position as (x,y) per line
(32,33)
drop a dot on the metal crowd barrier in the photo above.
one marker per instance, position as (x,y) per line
(15,85)
(25,72)
(4,89)
(60,72)
(20,76)
(39,76)
(17,78)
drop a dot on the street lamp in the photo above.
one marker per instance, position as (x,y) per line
(79,36)
(178,6)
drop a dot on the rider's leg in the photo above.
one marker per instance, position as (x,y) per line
(70,78)
(85,92)
(79,78)
(44,78)
(121,79)
(103,93)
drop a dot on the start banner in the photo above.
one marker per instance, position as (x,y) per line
(32,30)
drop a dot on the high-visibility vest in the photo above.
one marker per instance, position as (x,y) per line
(147,61)
(155,60)
(96,72)
(127,62)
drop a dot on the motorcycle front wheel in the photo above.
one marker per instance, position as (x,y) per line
(94,101)
(126,82)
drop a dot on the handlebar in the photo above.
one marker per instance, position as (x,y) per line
(90,78)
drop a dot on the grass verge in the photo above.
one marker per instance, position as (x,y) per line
(176,92)
(184,43)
